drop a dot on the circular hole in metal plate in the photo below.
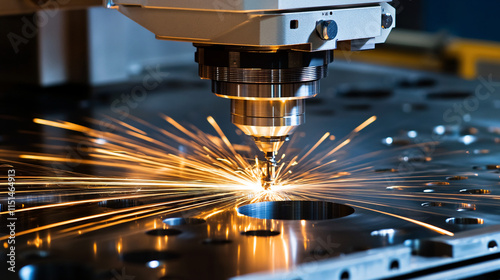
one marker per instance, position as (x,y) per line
(386,170)
(263,233)
(119,203)
(345,275)
(216,241)
(148,256)
(448,95)
(465,221)
(367,93)
(56,271)
(437,184)
(421,82)
(164,232)
(178,221)
(296,210)
(457,178)
(394,265)
(475,191)
(492,166)
(456,206)
(492,245)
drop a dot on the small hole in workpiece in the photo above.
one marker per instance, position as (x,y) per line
(438,184)
(178,221)
(394,265)
(386,170)
(331,13)
(345,275)
(163,232)
(367,93)
(296,210)
(422,82)
(492,245)
(461,207)
(119,203)
(457,178)
(262,233)
(448,95)
(475,191)
(56,271)
(465,221)
(294,24)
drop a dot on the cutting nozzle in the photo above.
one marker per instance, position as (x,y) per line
(269,175)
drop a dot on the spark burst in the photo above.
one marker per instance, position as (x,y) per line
(190,169)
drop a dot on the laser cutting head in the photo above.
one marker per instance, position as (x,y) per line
(267,56)
(267,89)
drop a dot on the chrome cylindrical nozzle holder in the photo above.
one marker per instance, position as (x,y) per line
(267,87)
(268,113)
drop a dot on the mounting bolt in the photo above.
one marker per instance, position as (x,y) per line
(327,29)
(387,20)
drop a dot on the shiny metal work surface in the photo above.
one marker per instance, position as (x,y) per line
(407,196)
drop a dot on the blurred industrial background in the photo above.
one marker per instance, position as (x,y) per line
(87,44)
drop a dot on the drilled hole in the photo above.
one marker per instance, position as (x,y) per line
(418,83)
(386,170)
(492,245)
(178,221)
(119,203)
(367,93)
(56,271)
(465,221)
(164,232)
(216,241)
(263,233)
(456,206)
(457,178)
(433,204)
(390,141)
(148,256)
(296,210)
(475,191)
(345,275)
(437,184)
(446,95)
(394,265)
(294,24)
(469,131)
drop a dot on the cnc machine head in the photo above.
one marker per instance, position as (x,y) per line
(267,56)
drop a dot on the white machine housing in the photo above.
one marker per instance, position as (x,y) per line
(264,23)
